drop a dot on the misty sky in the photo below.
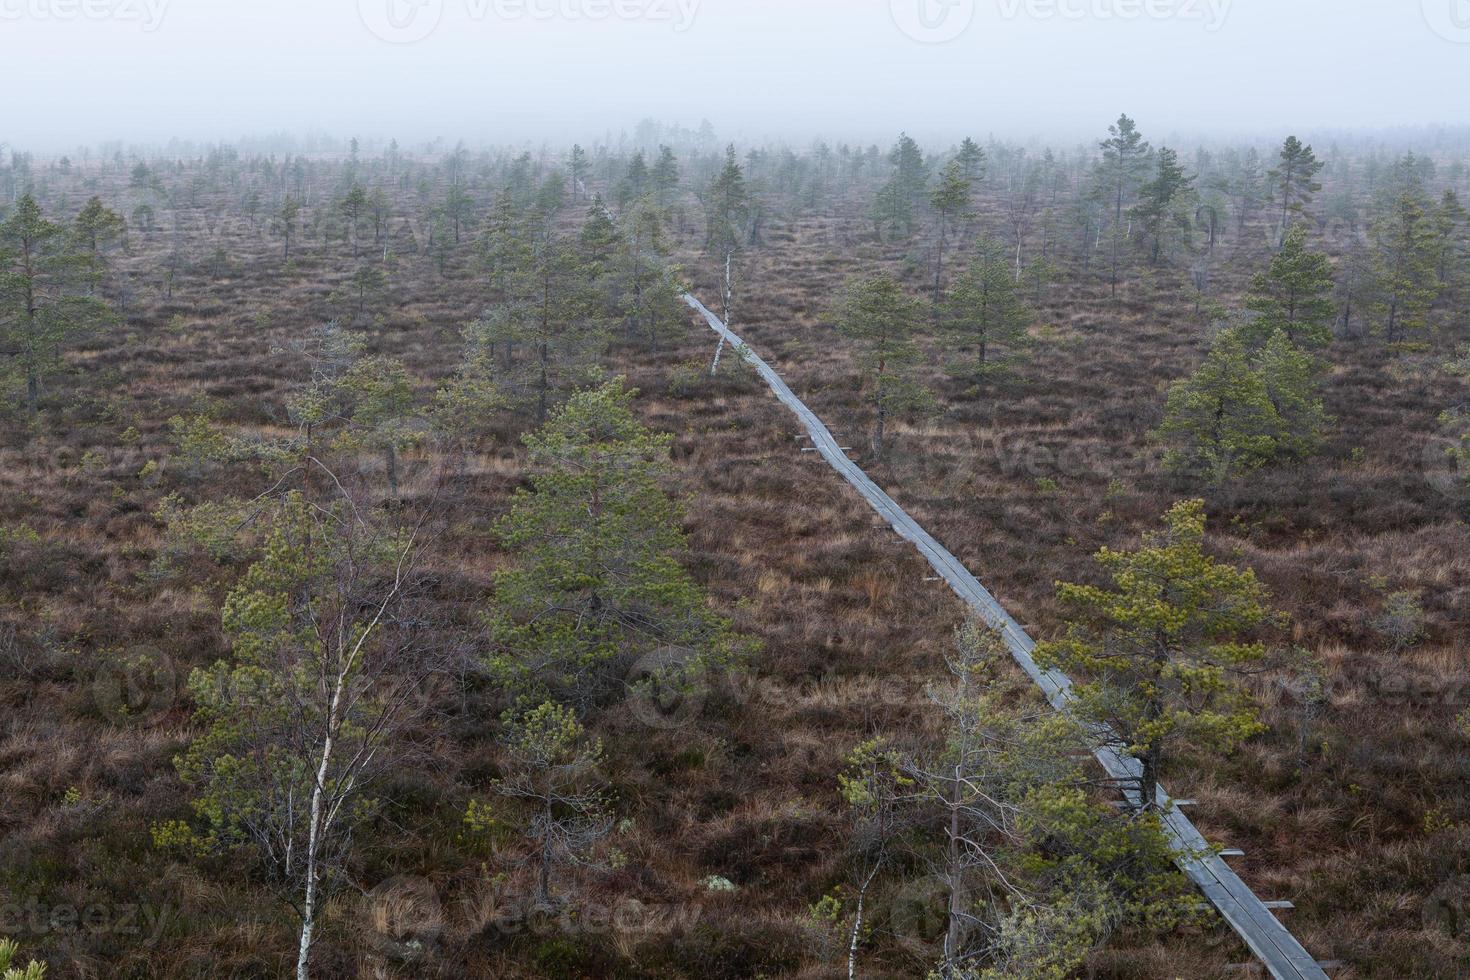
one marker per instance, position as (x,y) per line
(505,71)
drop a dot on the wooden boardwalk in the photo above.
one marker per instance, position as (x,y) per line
(1272,944)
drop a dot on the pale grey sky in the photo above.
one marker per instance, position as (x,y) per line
(82,71)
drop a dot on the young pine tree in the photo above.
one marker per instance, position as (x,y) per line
(664,176)
(559,325)
(1294,296)
(985,315)
(1407,250)
(1291,380)
(286,221)
(895,207)
(728,206)
(1220,420)
(44,293)
(1294,180)
(597,544)
(1165,208)
(879,317)
(950,201)
(552,778)
(1158,655)
(97,229)
(384,416)
(578,169)
(972,160)
(1125,156)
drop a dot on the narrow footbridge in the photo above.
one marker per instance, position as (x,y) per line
(1267,938)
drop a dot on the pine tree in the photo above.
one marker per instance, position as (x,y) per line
(665,175)
(98,228)
(1220,420)
(879,317)
(950,201)
(505,246)
(353,206)
(367,281)
(1294,180)
(1124,161)
(384,416)
(1359,289)
(1246,188)
(650,305)
(635,181)
(578,168)
(1165,203)
(597,544)
(1452,257)
(599,242)
(985,315)
(1290,377)
(1293,295)
(467,407)
(550,198)
(728,206)
(1156,655)
(894,209)
(562,329)
(551,766)
(1034,873)
(44,299)
(458,209)
(285,224)
(972,160)
(1407,249)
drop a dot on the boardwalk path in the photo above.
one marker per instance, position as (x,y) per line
(1283,956)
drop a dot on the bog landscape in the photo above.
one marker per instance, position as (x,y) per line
(669,552)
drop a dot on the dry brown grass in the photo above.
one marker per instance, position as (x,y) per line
(850,630)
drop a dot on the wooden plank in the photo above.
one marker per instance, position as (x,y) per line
(1272,944)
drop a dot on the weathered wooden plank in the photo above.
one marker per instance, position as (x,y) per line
(1251,918)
